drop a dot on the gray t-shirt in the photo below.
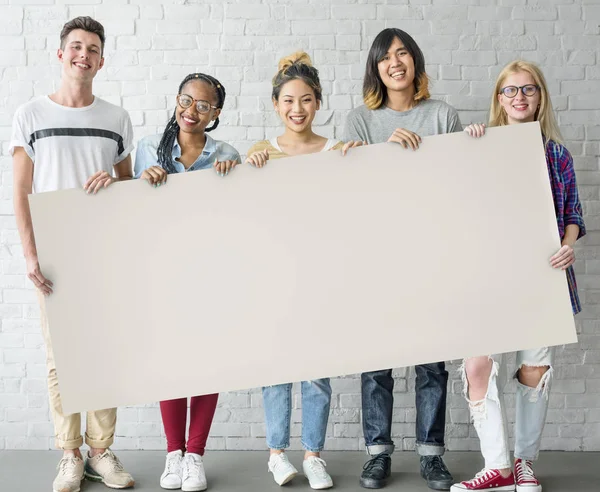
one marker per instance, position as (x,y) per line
(429,117)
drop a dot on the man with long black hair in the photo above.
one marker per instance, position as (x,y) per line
(398,109)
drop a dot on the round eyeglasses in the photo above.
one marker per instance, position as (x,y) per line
(202,106)
(512,90)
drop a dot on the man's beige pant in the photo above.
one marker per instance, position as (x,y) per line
(100,426)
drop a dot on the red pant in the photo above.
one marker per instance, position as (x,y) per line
(174,416)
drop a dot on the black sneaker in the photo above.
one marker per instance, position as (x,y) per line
(376,471)
(434,471)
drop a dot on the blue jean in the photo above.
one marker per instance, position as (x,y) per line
(378,403)
(316,399)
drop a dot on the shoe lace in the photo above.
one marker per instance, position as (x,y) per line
(67,465)
(376,463)
(113,461)
(317,466)
(280,461)
(192,467)
(524,471)
(435,463)
(483,476)
(173,463)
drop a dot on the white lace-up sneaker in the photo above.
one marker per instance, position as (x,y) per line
(107,468)
(194,477)
(314,469)
(171,478)
(70,474)
(281,468)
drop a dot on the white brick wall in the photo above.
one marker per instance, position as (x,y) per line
(153,44)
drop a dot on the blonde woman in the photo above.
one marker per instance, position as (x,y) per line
(297,96)
(521,96)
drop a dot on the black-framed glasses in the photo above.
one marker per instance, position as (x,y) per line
(512,90)
(202,106)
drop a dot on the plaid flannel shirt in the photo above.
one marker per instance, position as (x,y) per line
(566,202)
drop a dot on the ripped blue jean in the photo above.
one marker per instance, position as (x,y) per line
(489,414)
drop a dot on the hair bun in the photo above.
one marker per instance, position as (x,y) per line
(297,57)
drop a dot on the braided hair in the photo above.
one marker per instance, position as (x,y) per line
(165,147)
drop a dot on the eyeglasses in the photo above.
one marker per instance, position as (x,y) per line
(512,90)
(202,106)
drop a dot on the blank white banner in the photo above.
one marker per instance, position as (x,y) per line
(313,266)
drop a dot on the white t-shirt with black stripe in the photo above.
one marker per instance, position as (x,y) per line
(68,145)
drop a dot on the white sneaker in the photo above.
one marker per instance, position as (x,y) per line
(281,468)
(107,468)
(314,469)
(70,474)
(194,478)
(172,476)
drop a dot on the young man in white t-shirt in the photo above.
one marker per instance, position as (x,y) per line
(66,140)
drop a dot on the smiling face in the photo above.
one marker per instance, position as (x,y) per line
(189,119)
(81,56)
(521,108)
(397,68)
(297,105)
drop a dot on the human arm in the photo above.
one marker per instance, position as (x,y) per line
(476,130)
(103,179)
(573,212)
(258,158)
(258,154)
(227,159)
(22,187)
(352,144)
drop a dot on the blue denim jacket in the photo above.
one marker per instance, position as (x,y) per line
(146,155)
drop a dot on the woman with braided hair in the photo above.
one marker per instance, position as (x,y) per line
(186,146)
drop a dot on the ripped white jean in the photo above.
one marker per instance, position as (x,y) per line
(489,414)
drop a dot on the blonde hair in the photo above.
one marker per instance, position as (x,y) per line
(544,114)
(297,57)
(298,65)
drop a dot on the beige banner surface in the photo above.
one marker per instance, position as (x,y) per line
(313,266)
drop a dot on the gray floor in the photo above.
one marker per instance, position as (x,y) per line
(239,471)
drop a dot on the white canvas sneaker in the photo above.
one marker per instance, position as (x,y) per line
(281,468)
(314,469)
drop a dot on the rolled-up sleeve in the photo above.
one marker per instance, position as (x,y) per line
(226,152)
(145,156)
(573,210)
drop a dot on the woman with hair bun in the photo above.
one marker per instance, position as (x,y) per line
(297,97)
